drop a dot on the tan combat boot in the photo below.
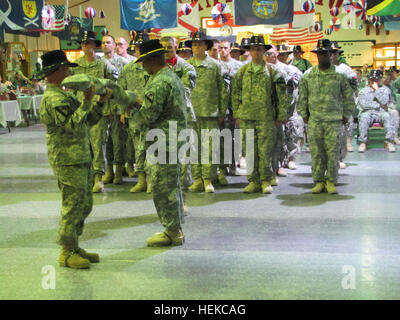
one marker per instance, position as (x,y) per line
(390,147)
(92,257)
(282,172)
(222,178)
(141,185)
(166,238)
(118,174)
(129,170)
(71,259)
(208,187)
(266,187)
(197,185)
(362,148)
(109,176)
(98,183)
(330,187)
(349,145)
(318,188)
(274,181)
(252,187)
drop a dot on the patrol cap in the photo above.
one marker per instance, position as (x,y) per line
(236,47)
(89,35)
(150,48)
(375,75)
(283,48)
(51,61)
(200,36)
(324,45)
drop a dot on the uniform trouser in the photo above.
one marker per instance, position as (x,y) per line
(350,127)
(324,148)
(278,154)
(204,170)
(293,132)
(261,153)
(139,142)
(130,149)
(367,118)
(228,123)
(396,120)
(98,137)
(116,141)
(75,183)
(167,194)
(186,169)
(343,142)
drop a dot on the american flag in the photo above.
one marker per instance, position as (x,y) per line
(53,18)
(295,36)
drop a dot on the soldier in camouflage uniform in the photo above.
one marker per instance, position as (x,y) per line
(209,99)
(392,105)
(117,133)
(374,101)
(164,102)
(325,102)
(298,61)
(134,77)
(96,66)
(187,73)
(122,49)
(255,87)
(69,152)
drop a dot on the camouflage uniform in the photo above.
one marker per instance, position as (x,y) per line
(371,111)
(164,101)
(252,101)
(99,68)
(302,64)
(209,99)
(69,153)
(133,77)
(117,135)
(348,128)
(325,97)
(187,73)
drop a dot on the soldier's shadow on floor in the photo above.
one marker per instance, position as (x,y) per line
(205,199)
(311,185)
(310,200)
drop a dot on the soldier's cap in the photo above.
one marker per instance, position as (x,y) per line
(298,49)
(283,48)
(393,69)
(236,47)
(324,45)
(150,48)
(183,47)
(256,41)
(245,43)
(140,38)
(375,75)
(88,36)
(200,36)
(336,48)
(51,61)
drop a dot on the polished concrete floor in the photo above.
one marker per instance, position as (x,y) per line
(288,245)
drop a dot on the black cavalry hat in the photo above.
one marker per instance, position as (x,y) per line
(245,43)
(139,39)
(236,47)
(51,61)
(375,75)
(336,48)
(256,41)
(283,48)
(89,35)
(324,45)
(183,47)
(298,49)
(150,48)
(200,36)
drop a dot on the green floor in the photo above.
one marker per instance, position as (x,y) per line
(288,245)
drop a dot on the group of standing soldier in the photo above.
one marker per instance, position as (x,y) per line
(265,96)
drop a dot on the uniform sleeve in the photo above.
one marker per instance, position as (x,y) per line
(223,93)
(366,102)
(348,99)
(280,86)
(122,79)
(154,99)
(302,106)
(237,91)
(110,72)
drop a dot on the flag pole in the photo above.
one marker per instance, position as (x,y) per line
(66,9)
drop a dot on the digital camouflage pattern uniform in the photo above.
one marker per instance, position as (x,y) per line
(164,101)
(371,111)
(302,64)
(101,69)
(252,101)
(325,98)
(117,133)
(133,77)
(187,73)
(70,156)
(210,100)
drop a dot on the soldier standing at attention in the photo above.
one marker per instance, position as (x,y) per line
(134,77)
(298,61)
(96,66)
(68,146)
(210,100)
(325,103)
(255,87)
(117,135)
(164,101)
(122,49)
